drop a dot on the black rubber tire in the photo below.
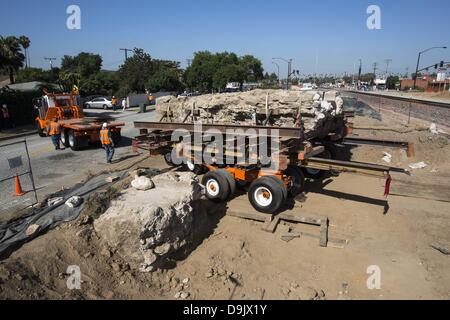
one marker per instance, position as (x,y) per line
(231,181)
(220,181)
(73,141)
(329,153)
(116,137)
(197,169)
(298,181)
(40,131)
(64,138)
(168,159)
(269,184)
(105,107)
(283,187)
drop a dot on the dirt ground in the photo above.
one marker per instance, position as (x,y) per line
(236,259)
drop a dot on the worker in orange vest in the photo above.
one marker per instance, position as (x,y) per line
(114,103)
(55,132)
(107,142)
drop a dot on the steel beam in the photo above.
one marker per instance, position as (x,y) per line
(283,132)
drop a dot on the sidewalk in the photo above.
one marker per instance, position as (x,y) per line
(18,132)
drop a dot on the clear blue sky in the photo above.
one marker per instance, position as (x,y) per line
(334,31)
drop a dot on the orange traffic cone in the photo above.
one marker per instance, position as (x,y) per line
(19,192)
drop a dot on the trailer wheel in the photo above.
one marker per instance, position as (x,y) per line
(329,153)
(297,180)
(216,186)
(40,131)
(168,159)
(64,138)
(231,181)
(74,141)
(265,195)
(195,168)
(282,185)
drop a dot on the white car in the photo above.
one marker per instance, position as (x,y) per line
(102,103)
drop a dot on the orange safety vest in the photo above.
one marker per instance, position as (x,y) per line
(54,128)
(104,137)
(114,102)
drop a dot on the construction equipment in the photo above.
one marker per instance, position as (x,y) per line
(270,181)
(77,131)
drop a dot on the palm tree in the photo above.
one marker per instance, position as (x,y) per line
(11,57)
(25,43)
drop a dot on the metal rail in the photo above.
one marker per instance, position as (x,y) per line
(283,132)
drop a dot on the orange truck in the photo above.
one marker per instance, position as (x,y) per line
(77,130)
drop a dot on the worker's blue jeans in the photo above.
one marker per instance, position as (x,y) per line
(55,140)
(109,152)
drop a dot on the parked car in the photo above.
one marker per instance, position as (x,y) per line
(100,102)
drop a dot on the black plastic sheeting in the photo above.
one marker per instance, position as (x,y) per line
(13,233)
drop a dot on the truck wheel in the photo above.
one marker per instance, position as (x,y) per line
(266,195)
(74,141)
(64,138)
(329,153)
(40,131)
(116,137)
(216,186)
(230,179)
(297,181)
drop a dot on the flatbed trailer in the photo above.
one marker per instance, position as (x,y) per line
(77,130)
(270,182)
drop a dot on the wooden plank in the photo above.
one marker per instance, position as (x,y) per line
(272,225)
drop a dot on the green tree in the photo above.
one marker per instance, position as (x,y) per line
(104,83)
(253,68)
(85,64)
(165,79)
(37,74)
(11,56)
(25,43)
(135,72)
(392,82)
(228,73)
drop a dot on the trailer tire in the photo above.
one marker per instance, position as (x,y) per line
(298,181)
(282,185)
(329,153)
(195,168)
(64,138)
(231,181)
(40,131)
(266,195)
(73,141)
(168,159)
(216,186)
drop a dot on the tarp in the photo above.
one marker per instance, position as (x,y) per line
(13,233)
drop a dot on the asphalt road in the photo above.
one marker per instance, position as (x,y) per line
(55,169)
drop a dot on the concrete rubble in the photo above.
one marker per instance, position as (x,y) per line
(147,227)
(316,107)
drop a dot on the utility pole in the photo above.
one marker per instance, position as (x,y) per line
(126,52)
(50,60)
(289,62)
(387,61)
(375,67)
(278,68)
(359,72)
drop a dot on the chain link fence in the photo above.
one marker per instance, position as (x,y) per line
(15,162)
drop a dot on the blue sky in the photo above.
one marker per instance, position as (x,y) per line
(333,31)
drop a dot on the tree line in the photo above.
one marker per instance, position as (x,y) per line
(139,73)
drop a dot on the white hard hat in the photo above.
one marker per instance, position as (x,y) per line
(105,125)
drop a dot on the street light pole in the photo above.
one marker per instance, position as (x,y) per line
(418,62)
(278,68)
(289,62)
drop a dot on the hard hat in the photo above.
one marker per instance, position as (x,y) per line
(105,125)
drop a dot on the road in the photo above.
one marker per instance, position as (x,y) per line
(55,169)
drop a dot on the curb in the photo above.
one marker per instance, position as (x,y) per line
(20,135)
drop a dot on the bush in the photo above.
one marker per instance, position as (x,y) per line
(20,105)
